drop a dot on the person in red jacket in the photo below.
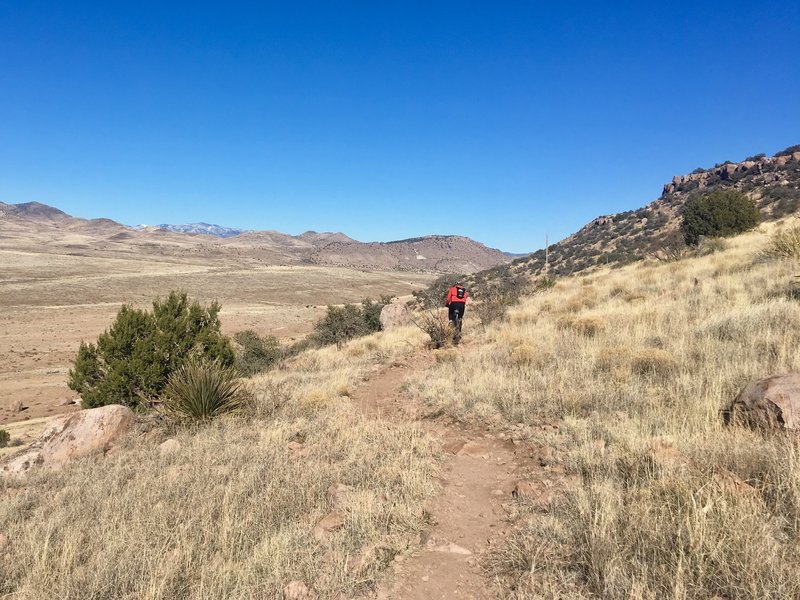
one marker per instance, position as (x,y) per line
(456,301)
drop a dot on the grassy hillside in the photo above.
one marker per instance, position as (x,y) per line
(634,366)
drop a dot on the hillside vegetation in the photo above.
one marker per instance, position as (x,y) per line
(635,365)
(772,183)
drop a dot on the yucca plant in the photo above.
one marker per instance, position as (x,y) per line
(202,390)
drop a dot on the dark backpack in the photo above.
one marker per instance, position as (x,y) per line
(460,292)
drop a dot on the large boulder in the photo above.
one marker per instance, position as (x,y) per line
(393,315)
(73,436)
(771,403)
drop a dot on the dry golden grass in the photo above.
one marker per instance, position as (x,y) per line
(231,514)
(632,360)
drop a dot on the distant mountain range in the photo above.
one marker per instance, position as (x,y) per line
(202,228)
(57,232)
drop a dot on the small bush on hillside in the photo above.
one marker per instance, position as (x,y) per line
(201,390)
(132,361)
(256,354)
(5,437)
(586,326)
(721,213)
(343,323)
(438,328)
(784,243)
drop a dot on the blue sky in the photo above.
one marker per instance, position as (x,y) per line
(385,120)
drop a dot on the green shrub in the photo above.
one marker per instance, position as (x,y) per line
(5,437)
(256,354)
(201,390)
(342,323)
(132,361)
(721,213)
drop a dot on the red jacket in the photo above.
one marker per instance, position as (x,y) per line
(457,293)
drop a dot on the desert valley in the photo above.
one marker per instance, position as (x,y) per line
(63,279)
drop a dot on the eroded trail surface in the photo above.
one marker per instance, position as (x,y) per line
(470,513)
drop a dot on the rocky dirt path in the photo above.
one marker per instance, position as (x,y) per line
(470,513)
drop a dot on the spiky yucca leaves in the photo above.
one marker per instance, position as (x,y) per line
(202,390)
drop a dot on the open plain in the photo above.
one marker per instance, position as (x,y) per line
(52,297)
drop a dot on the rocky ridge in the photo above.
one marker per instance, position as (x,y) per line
(653,231)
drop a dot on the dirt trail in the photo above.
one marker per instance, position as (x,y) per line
(469,513)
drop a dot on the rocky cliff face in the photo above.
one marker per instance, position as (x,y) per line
(759,171)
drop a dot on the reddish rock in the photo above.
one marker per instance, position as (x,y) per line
(68,437)
(297,590)
(771,403)
(168,447)
(329,523)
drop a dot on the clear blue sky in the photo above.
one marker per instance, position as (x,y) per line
(385,120)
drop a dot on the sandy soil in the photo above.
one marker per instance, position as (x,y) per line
(50,301)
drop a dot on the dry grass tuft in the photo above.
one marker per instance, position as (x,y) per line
(654,362)
(784,243)
(588,326)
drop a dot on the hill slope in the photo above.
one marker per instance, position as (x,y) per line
(618,239)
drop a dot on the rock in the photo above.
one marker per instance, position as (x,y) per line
(445,546)
(329,523)
(65,402)
(768,404)
(781,160)
(796,155)
(475,450)
(547,457)
(68,437)
(18,406)
(525,489)
(453,446)
(393,315)
(168,447)
(338,493)
(297,590)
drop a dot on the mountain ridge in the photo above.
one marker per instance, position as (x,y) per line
(104,237)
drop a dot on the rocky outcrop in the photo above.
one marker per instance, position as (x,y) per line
(70,437)
(768,404)
(724,172)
